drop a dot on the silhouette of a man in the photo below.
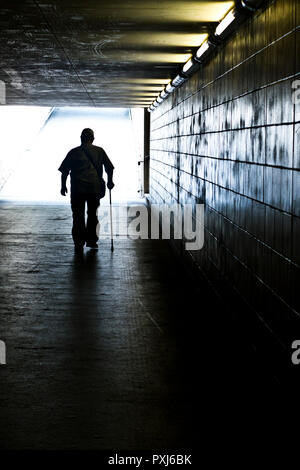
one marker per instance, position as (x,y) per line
(86,166)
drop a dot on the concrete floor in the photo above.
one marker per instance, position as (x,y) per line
(107,351)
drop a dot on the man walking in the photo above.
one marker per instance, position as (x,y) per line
(87,186)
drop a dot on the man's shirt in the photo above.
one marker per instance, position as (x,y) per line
(84,176)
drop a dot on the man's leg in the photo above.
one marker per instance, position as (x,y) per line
(93,202)
(78,208)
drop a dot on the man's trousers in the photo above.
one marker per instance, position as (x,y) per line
(85,231)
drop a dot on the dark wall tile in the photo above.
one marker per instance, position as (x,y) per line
(279,145)
(278,231)
(296,162)
(296,240)
(285,16)
(280,57)
(296,193)
(279,103)
(295,282)
(256,147)
(271,23)
(278,188)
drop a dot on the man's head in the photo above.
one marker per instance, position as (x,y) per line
(87,136)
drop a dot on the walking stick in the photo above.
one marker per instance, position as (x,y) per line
(111,224)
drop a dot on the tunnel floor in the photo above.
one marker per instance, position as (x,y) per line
(109,350)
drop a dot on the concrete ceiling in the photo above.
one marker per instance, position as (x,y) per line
(98,53)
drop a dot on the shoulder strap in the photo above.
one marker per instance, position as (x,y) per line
(90,159)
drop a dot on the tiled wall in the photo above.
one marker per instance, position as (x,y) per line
(229,138)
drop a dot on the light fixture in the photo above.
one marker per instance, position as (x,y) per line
(164,94)
(227,20)
(169,88)
(231,21)
(187,66)
(190,67)
(251,5)
(202,49)
(178,80)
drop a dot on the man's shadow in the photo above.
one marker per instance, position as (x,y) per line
(85,309)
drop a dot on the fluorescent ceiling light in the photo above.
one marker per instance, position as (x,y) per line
(169,88)
(135,87)
(164,94)
(155,56)
(229,18)
(178,80)
(202,49)
(137,93)
(159,39)
(148,81)
(187,66)
(150,12)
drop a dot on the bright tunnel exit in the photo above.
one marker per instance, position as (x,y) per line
(36,140)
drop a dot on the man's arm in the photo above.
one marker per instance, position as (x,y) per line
(65,169)
(64,188)
(110,183)
(109,168)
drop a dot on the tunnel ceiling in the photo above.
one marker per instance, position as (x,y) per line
(98,53)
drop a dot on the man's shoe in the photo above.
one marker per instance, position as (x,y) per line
(92,245)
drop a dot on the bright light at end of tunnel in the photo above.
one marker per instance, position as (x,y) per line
(29,166)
